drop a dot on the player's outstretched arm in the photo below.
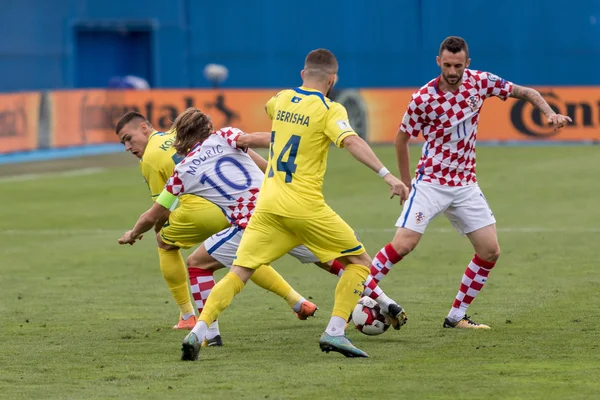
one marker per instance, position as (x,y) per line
(363,153)
(256,140)
(403,157)
(258,160)
(144,223)
(534,97)
(161,221)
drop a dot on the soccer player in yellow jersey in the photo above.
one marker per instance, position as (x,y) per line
(291,209)
(191,223)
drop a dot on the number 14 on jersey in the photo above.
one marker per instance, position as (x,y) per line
(289,151)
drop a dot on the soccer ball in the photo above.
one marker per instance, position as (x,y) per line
(367,317)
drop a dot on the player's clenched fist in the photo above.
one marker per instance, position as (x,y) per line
(558,121)
(397,188)
(128,238)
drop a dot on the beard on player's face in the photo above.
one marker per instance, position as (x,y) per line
(331,83)
(452,78)
(328,92)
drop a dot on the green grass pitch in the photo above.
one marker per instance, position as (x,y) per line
(82,318)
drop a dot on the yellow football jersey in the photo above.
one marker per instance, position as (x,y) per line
(305,122)
(158,163)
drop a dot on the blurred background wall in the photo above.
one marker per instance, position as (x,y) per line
(59,44)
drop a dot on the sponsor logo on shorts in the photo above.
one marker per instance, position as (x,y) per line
(419,217)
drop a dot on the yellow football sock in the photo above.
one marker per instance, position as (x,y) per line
(349,290)
(267,278)
(175,274)
(220,297)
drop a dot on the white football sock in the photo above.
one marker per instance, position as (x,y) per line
(384,302)
(298,306)
(200,330)
(336,326)
(213,330)
(187,316)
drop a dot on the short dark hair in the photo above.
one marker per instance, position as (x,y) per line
(127,118)
(454,44)
(320,62)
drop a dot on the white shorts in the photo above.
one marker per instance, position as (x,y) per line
(222,247)
(465,207)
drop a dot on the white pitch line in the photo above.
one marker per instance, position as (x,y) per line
(61,232)
(84,232)
(524,229)
(64,174)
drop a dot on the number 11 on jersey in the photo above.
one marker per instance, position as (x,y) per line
(291,149)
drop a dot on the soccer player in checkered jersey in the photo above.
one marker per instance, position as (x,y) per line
(191,223)
(446,111)
(201,269)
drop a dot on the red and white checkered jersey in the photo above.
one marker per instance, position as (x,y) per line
(449,125)
(222,173)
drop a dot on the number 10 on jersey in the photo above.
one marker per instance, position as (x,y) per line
(290,150)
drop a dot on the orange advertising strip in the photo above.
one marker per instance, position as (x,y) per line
(518,120)
(512,120)
(90,116)
(19,116)
(384,111)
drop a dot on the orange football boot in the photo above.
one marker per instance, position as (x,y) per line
(307,309)
(186,324)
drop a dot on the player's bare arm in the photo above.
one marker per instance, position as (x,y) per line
(535,98)
(363,153)
(256,140)
(161,221)
(144,223)
(260,162)
(402,155)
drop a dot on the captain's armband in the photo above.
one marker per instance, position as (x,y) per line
(167,200)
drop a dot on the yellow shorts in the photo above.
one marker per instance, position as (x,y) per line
(193,222)
(269,236)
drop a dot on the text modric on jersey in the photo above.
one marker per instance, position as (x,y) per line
(208,153)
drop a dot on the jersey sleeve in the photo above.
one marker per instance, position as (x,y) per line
(270,105)
(492,85)
(412,122)
(155,180)
(174,185)
(337,125)
(231,135)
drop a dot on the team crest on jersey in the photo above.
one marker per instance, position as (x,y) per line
(472,102)
(495,78)
(419,217)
